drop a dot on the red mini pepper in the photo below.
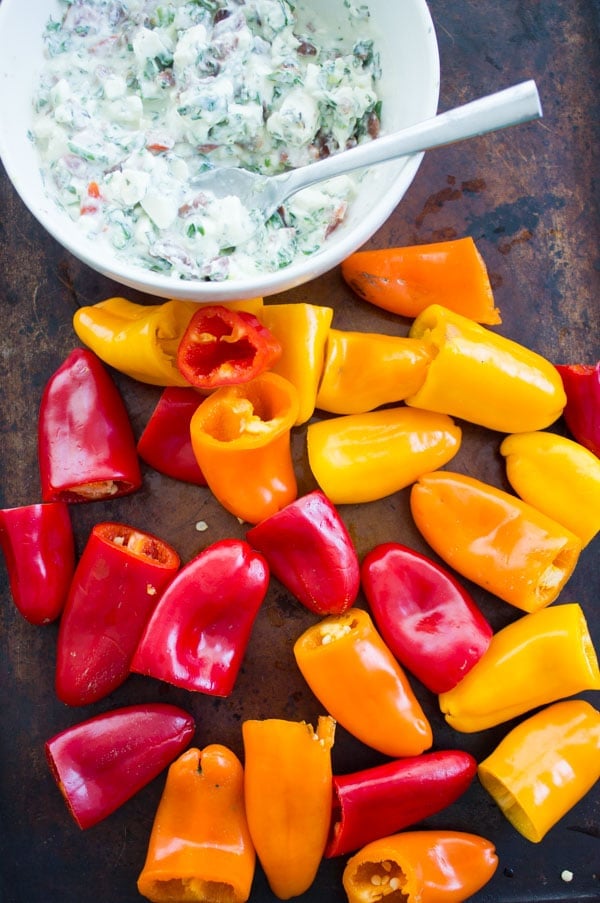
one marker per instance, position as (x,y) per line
(198,634)
(39,549)
(582,411)
(101,763)
(224,347)
(427,619)
(377,801)
(310,551)
(165,443)
(86,446)
(116,586)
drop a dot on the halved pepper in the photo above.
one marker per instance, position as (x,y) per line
(544,766)
(582,411)
(363,457)
(165,443)
(494,538)
(241,437)
(483,377)
(287,788)
(538,659)
(356,678)
(200,846)
(116,586)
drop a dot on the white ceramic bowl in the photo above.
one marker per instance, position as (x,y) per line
(409,89)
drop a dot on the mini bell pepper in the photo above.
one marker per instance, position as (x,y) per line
(483,377)
(200,846)
(363,457)
(494,538)
(378,801)
(287,788)
(407,280)
(544,766)
(537,659)
(140,340)
(101,763)
(308,548)
(364,370)
(199,631)
(356,678)
(224,347)
(86,446)
(165,443)
(241,436)
(39,549)
(558,476)
(429,622)
(582,411)
(420,867)
(302,330)
(116,586)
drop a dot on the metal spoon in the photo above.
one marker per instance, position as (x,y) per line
(262,195)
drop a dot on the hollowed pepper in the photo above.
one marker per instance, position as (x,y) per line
(165,443)
(544,766)
(200,847)
(241,440)
(538,659)
(582,411)
(485,378)
(356,678)
(494,538)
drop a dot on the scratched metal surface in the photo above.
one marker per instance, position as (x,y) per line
(529,197)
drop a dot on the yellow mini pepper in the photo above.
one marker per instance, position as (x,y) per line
(544,766)
(558,476)
(364,370)
(538,659)
(494,538)
(288,792)
(363,457)
(483,377)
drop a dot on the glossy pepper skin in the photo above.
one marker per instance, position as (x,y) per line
(557,476)
(538,659)
(165,443)
(407,280)
(198,633)
(494,538)
(485,378)
(356,678)
(429,622)
(378,801)
(200,846)
(582,412)
(241,437)
(544,766)
(308,548)
(287,788)
(224,347)
(363,457)
(101,763)
(421,866)
(39,550)
(364,370)
(86,446)
(117,583)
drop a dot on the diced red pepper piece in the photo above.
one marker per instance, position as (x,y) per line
(582,411)
(166,444)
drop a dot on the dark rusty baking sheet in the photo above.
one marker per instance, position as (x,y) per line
(529,197)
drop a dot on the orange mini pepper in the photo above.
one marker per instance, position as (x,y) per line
(544,766)
(288,792)
(200,847)
(241,439)
(356,678)
(494,538)
(364,370)
(537,659)
(406,280)
(420,867)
